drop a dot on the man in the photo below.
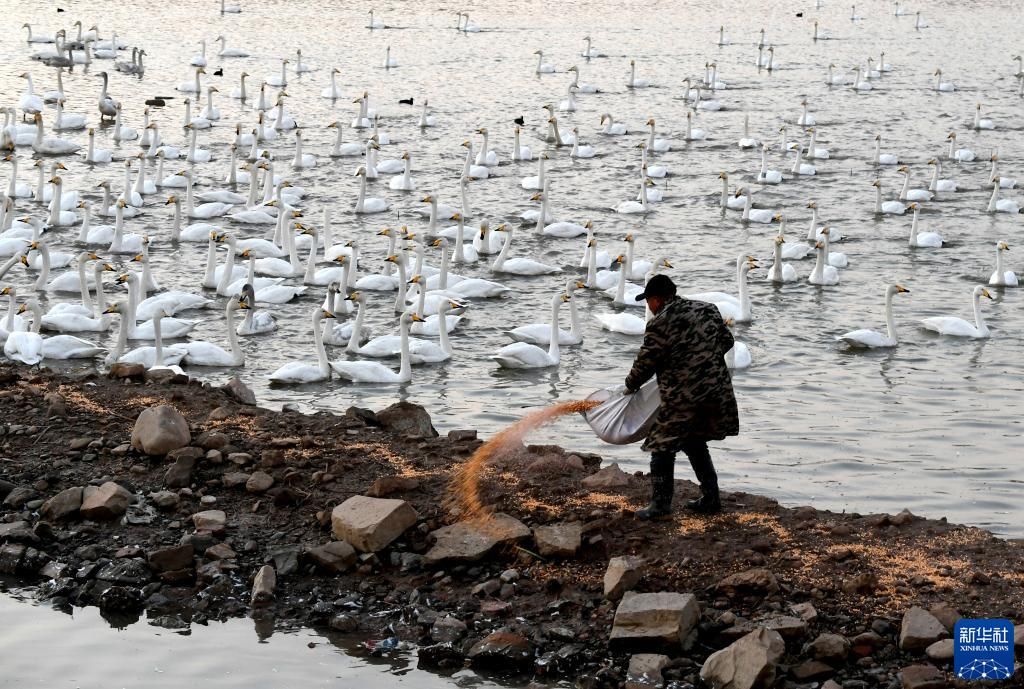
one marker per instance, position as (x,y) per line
(684,345)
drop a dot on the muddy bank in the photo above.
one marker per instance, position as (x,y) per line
(345,522)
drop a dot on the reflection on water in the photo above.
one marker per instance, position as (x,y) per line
(82,651)
(928,426)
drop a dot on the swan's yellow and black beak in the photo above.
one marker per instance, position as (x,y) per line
(137,258)
(417,318)
(108,268)
(121,279)
(985,293)
(901,288)
(111,309)
(326,314)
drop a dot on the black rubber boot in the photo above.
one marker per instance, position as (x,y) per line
(709,501)
(662,489)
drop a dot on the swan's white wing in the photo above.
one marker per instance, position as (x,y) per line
(624,323)
(866,338)
(522,355)
(950,325)
(297,372)
(364,372)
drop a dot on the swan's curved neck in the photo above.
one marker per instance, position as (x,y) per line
(913,227)
(311,262)
(357,329)
(999,265)
(402,287)
(499,262)
(890,327)
(742,268)
(44,274)
(574,316)
(979,321)
(229,269)
(553,345)
(592,266)
(211,264)
(405,369)
(318,344)
(878,199)
(995,198)
(543,216)
(83,285)
(442,282)
(777,262)
(236,351)
(906,186)
(362,195)
(819,264)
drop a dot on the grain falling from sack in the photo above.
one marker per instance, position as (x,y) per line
(464,491)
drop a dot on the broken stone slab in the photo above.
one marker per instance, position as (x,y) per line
(371,524)
(220,551)
(648,620)
(788,627)
(610,477)
(470,541)
(160,429)
(210,520)
(748,663)
(622,575)
(389,485)
(171,559)
(501,650)
(107,501)
(123,370)
(645,670)
(805,611)
(559,540)
(922,677)
(756,580)
(810,670)
(263,586)
(11,555)
(946,614)
(919,630)
(62,505)
(334,557)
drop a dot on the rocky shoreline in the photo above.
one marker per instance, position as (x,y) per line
(149,494)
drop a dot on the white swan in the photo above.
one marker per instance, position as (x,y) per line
(747,141)
(943,86)
(958,327)
(766,176)
(73,318)
(980,122)
(542,67)
(426,119)
(51,146)
(738,308)
(584,87)
(297,372)
(375,372)
(339,149)
(961,155)
(780,272)
(372,204)
(908,194)
(833,258)
(332,91)
(635,207)
(922,240)
(735,201)
(655,145)
(579,151)
(202,353)
(998,205)
(887,207)
(611,127)
(229,52)
(1002,277)
(751,214)
(375,23)
(589,52)
(633,82)
(522,355)
(865,338)
(389,61)
(823,274)
(518,266)
(883,158)
(942,185)
(540,333)
(1004,182)
(65,122)
(800,167)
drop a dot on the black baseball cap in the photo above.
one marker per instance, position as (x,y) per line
(658,286)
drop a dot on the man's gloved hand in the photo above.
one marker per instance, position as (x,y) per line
(627,391)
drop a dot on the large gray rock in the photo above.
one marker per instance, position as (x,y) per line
(62,505)
(263,586)
(919,630)
(335,557)
(470,541)
(172,559)
(158,430)
(831,648)
(622,575)
(108,501)
(646,620)
(748,663)
(239,391)
(406,418)
(609,478)
(559,540)
(371,524)
(941,651)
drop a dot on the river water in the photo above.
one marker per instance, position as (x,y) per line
(933,425)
